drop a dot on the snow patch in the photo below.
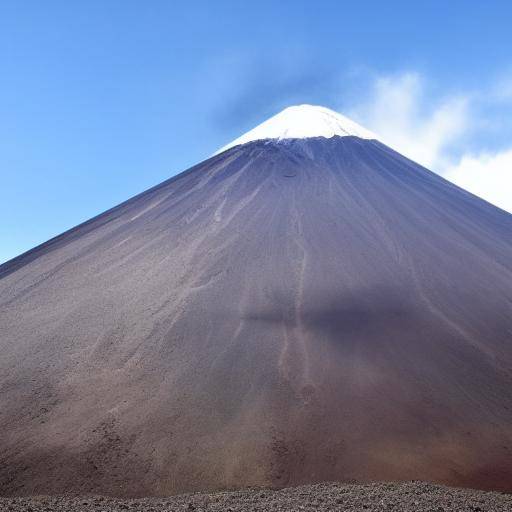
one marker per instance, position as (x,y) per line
(303,121)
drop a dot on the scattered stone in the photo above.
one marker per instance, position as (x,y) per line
(395,497)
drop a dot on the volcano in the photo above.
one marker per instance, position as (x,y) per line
(306,305)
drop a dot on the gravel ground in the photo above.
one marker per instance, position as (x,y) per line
(414,496)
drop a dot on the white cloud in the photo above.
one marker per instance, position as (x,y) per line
(429,131)
(488,176)
(397,112)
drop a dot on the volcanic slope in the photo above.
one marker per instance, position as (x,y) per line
(288,311)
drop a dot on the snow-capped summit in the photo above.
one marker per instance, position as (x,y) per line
(302,121)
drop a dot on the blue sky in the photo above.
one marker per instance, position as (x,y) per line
(100,100)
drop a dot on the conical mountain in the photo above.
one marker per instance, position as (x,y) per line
(306,305)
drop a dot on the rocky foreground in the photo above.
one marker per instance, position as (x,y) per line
(414,496)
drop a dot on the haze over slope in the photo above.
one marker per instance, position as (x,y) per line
(288,311)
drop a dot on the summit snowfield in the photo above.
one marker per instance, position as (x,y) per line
(303,121)
(283,313)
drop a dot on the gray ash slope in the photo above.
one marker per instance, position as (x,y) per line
(283,313)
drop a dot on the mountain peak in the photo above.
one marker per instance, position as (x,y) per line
(303,121)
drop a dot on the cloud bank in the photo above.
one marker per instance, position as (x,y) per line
(488,176)
(397,111)
(435,132)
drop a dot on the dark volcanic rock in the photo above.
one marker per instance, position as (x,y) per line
(406,497)
(283,313)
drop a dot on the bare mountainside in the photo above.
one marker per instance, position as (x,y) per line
(286,312)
